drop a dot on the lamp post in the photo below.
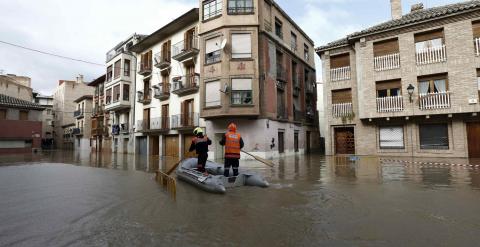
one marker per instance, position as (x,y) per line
(410,90)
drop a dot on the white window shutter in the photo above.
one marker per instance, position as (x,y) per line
(391,137)
(212,93)
(241,45)
(241,84)
(212,45)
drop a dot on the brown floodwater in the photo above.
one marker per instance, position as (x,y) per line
(82,199)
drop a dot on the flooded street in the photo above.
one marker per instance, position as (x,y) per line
(71,199)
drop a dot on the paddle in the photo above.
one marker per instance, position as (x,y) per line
(264,161)
(167,181)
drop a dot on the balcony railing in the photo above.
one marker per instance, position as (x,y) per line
(340,74)
(160,123)
(281,72)
(390,104)
(145,96)
(431,55)
(342,110)
(162,60)
(281,85)
(78,113)
(387,62)
(77,131)
(145,68)
(185,49)
(433,101)
(185,121)
(143,125)
(477,46)
(186,84)
(282,113)
(162,91)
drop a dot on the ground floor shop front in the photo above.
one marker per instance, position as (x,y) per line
(173,144)
(440,136)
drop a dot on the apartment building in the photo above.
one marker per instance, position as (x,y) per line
(100,135)
(408,86)
(19,87)
(168,102)
(47,118)
(119,95)
(83,122)
(20,125)
(64,107)
(257,70)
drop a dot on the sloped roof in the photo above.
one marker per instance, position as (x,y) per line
(409,19)
(7,101)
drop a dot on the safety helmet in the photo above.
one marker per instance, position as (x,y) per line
(232,127)
(197,131)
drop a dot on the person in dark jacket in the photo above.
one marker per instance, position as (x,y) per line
(233,143)
(200,144)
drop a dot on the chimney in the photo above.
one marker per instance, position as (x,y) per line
(396,9)
(80,79)
(417,7)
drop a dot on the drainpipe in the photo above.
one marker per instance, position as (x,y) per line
(134,86)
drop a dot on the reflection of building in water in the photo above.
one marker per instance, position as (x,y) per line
(436,176)
(475,178)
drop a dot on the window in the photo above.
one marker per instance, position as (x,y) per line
(476,29)
(23,116)
(278,28)
(388,88)
(166,51)
(434,136)
(212,94)
(428,40)
(386,47)
(211,9)
(293,42)
(126,67)
(116,69)
(339,61)
(212,50)
(108,97)
(3,114)
(126,92)
(420,46)
(109,73)
(306,52)
(241,45)
(146,61)
(236,7)
(391,137)
(433,84)
(342,96)
(116,93)
(242,91)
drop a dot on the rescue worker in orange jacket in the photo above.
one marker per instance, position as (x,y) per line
(233,143)
(200,144)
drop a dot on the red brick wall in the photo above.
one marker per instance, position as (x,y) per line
(21,130)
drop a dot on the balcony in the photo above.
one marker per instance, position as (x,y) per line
(434,101)
(77,131)
(311,116)
(145,68)
(162,61)
(145,96)
(342,110)
(282,113)
(281,73)
(185,121)
(142,125)
(78,114)
(437,54)
(97,111)
(161,91)
(390,104)
(160,124)
(185,49)
(340,74)
(186,85)
(387,62)
(477,46)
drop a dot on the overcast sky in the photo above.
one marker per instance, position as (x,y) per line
(87,29)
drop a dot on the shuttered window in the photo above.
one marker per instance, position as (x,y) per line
(117,68)
(434,136)
(386,47)
(23,115)
(241,45)
(339,61)
(428,40)
(212,50)
(388,88)
(242,91)
(391,137)
(476,29)
(116,93)
(212,94)
(341,96)
(126,92)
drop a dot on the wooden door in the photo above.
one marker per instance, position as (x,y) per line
(307,148)
(187,141)
(473,137)
(295,142)
(189,39)
(281,143)
(165,118)
(171,146)
(146,119)
(187,113)
(155,149)
(344,141)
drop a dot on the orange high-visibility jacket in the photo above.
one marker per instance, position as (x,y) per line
(232,145)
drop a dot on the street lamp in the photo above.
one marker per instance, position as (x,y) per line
(410,90)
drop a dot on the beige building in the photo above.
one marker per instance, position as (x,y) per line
(47,118)
(64,106)
(16,86)
(257,69)
(83,122)
(406,87)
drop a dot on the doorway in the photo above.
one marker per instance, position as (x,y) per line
(281,142)
(295,141)
(187,141)
(154,142)
(473,139)
(171,146)
(345,140)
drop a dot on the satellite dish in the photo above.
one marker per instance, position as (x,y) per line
(225,89)
(223,44)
